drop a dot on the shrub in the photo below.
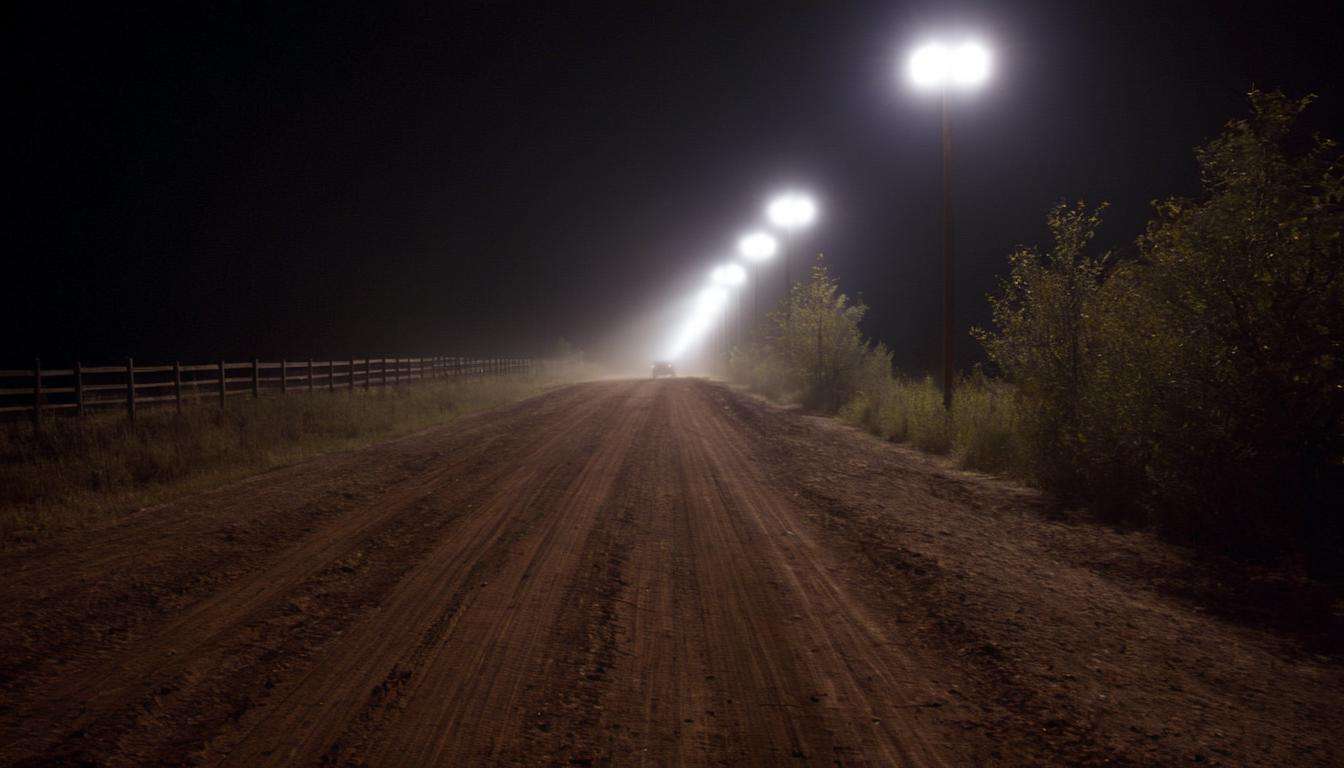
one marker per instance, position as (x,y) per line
(811,348)
(1201,386)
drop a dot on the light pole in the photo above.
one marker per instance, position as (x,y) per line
(937,67)
(792,211)
(757,246)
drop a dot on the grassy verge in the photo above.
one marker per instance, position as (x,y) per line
(74,472)
(986,430)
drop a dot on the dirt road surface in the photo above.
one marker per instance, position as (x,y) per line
(635,573)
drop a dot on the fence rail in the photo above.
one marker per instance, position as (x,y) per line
(83,389)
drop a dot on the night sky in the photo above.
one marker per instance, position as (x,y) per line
(191,182)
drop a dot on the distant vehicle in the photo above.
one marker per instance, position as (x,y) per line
(664,369)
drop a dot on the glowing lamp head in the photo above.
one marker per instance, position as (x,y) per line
(935,65)
(729,275)
(758,246)
(792,210)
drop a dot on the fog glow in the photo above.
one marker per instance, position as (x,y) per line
(704,310)
(729,275)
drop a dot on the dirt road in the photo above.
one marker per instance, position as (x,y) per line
(634,573)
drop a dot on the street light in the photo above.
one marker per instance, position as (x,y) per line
(757,246)
(935,65)
(790,210)
(938,67)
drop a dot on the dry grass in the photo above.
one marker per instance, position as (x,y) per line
(986,429)
(74,472)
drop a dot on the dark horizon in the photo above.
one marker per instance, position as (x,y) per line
(198,182)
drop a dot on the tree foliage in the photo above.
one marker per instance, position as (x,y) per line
(1200,385)
(1248,280)
(1044,341)
(811,346)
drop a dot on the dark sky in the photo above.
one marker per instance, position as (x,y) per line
(296,180)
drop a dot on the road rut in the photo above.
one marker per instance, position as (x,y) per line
(615,573)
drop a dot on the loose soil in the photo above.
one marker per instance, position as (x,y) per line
(637,573)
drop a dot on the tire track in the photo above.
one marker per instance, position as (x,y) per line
(602,576)
(224,634)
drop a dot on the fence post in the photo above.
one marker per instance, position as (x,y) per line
(79,390)
(37,393)
(310,375)
(256,377)
(177,383)
(352,374)
(223,385)
(331,375)
(284,376)
(383,362)
(396,370)
(130,389)
(368,372)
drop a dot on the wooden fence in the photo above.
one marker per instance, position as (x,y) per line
(81,389)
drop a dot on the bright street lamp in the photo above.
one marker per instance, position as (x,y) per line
(758,246)
(935,65)
(790,210)
(938,67)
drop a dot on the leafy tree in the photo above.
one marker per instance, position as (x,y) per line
(811,346)
(1249,280)
(818,336)
(1201,384)
(1044,341)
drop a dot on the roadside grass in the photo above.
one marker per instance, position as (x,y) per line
(76,472)
(986,430)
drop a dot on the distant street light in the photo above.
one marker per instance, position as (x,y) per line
(757,246)
(940,68)
(790,210)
